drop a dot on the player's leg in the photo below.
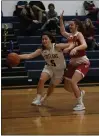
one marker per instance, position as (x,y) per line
(56,80)
(77,92)
(43,78)
(50,89)
(45,75)
(79,74)
(67,85)
(67,76)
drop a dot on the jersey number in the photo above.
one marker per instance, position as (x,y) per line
(53,63)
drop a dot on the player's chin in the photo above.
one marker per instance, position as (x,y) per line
(45,45)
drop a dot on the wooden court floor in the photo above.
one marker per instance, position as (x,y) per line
(54,117)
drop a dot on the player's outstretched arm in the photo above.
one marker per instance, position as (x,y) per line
(71,46)
(63,46)
(62,28)
(31,55)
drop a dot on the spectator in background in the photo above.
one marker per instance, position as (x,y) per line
(28,21)
(66,24)
(92,9)
(52,19)
(20,5)
(89,34)
(39,10)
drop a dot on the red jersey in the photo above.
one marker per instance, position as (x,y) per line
(78,62)
(76,41)
(80,56)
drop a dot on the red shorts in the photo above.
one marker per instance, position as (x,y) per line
(81,68)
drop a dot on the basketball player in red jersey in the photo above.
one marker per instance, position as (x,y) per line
(79,63)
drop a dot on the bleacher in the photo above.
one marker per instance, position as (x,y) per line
(28,72)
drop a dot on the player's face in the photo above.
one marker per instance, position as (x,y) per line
(46,41)
(72,26)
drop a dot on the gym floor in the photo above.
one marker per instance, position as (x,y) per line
(54,117)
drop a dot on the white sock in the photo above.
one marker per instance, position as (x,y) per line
(44,97)
(38,96)
(79,99)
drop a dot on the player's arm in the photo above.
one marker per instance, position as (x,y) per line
(64,46)
(83,45)
(62,28)
(71,46)
(38,8)
(61,46)
(31,55)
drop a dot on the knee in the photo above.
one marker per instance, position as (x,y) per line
(66,83)
(41,81)
(68,80)
(73,82)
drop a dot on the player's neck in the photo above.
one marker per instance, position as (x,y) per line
(74,32)
(49,46)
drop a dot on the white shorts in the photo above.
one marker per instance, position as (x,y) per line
(54,73)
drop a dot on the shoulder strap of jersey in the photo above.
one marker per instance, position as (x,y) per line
(54,45)
(76,34)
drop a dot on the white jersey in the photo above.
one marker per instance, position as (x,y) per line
(54,58)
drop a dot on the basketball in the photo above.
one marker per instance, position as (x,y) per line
(13,59)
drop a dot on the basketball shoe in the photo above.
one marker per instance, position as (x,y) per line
(37,101)
(80,105)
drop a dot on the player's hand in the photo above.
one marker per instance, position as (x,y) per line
(73,52)
(66,50)
(61,16)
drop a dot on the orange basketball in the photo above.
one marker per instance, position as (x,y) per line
(13,59)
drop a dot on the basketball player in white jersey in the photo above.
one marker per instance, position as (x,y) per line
(55,63)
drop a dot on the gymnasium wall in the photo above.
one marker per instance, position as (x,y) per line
(69,7)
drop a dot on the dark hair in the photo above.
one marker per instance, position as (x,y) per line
(51,4)
(50,35)
(80,25)
(26,4)
(89,20)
